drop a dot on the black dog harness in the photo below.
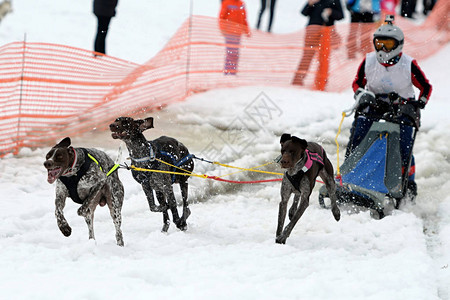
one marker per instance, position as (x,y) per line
(310,158)
(71,182)
(175,162)
(140,177)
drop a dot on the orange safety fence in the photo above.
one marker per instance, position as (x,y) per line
(49,91)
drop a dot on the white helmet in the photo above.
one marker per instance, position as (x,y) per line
(388,41)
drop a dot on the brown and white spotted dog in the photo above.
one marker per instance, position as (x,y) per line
(148,155)
(89,178)
(304,161)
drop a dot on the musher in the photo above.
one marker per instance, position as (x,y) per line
(384,83)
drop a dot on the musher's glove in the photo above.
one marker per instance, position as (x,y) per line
(422,102)
(419,103)
(364,98)
(409,114)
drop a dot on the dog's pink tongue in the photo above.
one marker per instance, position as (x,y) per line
(52,175)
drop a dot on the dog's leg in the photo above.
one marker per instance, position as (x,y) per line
(285,194)
(304,203)
(162,201)
(60,202)
(88,213)
(148,190)
(294,205)
(115,207)
(327,176)
(88,207)
(172,203)
(186,210)
(89,218)
(331,187)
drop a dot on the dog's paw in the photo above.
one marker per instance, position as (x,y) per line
(165,227)
(181,224)
(119,239)
(66,230)
(281,239)
(336,213)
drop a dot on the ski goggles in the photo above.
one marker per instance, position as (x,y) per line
(386,44)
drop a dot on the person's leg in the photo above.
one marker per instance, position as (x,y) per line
(102,30)
(428,6)
(321,77)
(406,148)
(412,169)
(272,13)
(407,8)
(303,66)
(360,128)
(312,41)
(433,2)
(261,11)
(232,54)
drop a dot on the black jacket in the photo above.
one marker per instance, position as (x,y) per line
(105,8)
(314,12)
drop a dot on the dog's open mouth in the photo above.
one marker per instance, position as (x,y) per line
(53,174)
(118,135)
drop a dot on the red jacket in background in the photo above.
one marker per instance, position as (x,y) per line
(233,18)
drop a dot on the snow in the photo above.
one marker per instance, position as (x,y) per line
(229,250)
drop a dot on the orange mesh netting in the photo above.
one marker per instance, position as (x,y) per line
(49,91)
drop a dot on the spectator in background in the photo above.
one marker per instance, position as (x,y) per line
(271,13)
(232,24)
(104,10)
(361,11)
(408,8)
(323,13)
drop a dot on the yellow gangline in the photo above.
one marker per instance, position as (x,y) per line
(167,172)
(246,169)
(338,172)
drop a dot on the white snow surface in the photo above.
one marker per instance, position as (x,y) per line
(229,250)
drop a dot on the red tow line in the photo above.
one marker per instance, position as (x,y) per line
(247,182)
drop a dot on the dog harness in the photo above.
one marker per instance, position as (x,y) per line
(152,156)
(177,163)
(71,182)
(310,158)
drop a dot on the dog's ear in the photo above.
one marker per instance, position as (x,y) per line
(64,143)
(303,143)
(146,124)
(285,137)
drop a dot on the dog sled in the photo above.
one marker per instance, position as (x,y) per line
(374,174)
